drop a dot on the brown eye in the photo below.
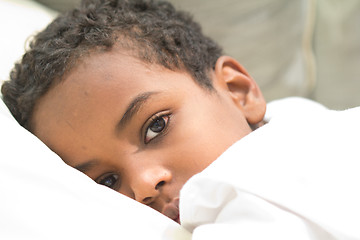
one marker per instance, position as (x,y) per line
(109,180)
(156,127)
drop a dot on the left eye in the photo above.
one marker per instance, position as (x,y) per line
(109,180)
(157,126)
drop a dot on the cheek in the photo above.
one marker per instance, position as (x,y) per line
(195,150)
(201,134)
(217,131)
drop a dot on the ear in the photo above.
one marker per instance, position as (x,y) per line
(233,78)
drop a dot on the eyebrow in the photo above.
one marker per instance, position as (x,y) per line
(133,108)
(84,167)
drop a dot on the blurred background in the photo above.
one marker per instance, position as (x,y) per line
(308,48)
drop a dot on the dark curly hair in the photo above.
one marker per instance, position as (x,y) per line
(152,30)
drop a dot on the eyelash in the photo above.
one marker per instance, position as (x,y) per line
(162,116)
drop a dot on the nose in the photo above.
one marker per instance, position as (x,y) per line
(147,185)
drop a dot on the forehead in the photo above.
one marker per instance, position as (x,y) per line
(112,74)
(117,67)
(101,84)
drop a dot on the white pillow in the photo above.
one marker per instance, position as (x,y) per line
(43,198)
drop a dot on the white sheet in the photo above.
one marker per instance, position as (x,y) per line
(298,177)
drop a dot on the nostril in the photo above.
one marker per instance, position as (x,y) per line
(159,185)
(153,195)
(147,200)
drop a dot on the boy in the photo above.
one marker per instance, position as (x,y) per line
(134,95)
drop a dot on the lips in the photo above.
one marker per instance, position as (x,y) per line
(171,210)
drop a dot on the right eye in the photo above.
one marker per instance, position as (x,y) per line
(156,127)
(109,180)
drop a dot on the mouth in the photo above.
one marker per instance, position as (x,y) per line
(171,210)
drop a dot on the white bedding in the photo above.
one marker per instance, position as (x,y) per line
(298,177)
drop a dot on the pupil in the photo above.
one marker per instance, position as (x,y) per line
(158,125)
(109,181)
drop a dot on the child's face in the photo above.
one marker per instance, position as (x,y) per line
(140,129)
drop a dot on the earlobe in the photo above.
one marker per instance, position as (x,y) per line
(232,77)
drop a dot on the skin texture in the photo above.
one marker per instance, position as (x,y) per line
(176,128)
